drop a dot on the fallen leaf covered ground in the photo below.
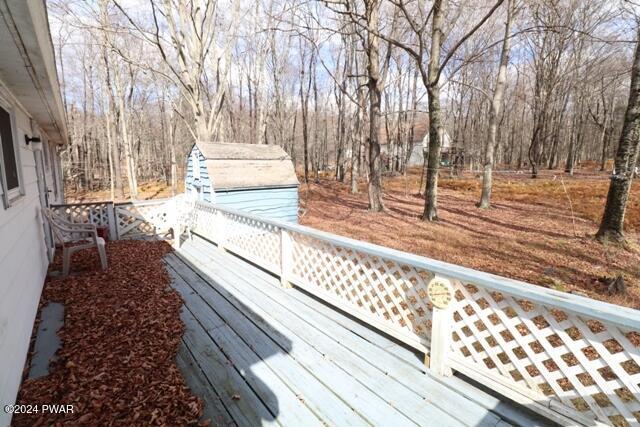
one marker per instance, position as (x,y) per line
(120,337)
(538,230)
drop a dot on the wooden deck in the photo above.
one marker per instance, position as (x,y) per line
(260,354)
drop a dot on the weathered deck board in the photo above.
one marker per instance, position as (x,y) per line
(247,411)
(507,410)
(264,384)
(214,410)
(275,358)
(387,393)
(302,359)
(294,360)
(395,360)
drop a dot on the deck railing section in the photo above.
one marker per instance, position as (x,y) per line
(124,220)
(558,353)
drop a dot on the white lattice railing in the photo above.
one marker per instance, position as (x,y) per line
(570,358)
(124,220)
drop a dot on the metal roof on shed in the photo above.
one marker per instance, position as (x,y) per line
(235,166)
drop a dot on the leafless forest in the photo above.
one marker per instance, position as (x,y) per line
(351,88)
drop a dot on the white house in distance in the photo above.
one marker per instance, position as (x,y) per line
(32,127)
(419,144)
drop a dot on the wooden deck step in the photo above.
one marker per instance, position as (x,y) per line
(353,354)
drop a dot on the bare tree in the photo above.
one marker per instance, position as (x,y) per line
(496,106)
(196,55)
(612,224)
(372,13)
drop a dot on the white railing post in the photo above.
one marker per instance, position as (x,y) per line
(221,231)
(286,258)
(177,227)
(441,295)
(111,219)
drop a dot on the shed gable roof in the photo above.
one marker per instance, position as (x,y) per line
(235,166)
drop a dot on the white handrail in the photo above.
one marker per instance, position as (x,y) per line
(600,310)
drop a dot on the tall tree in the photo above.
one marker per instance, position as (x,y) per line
(373,71)
(435,121)
(496,106)
(612,224)
(197,55)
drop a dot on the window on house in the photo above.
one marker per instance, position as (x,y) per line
(11,177)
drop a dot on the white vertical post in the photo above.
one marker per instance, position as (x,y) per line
(111,220)
(286,258)
(174,207)
(221,232)
(442,296)
(440,341)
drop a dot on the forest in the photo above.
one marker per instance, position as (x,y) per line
(353,90)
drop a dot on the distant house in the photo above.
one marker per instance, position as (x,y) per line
(250,177)
(419,144)
(32,128)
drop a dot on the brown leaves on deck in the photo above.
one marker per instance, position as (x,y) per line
(120,337)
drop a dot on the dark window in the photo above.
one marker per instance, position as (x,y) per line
(8,150)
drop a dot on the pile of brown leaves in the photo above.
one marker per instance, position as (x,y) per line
(119,341)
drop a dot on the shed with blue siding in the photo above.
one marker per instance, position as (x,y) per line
(255,178)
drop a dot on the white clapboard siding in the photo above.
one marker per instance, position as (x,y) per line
(23,266)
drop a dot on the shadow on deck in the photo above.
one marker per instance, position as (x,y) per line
(260,354)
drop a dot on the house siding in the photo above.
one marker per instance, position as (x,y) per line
(204,181)
(23,260)
(273,203)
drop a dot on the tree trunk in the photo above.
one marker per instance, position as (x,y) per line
(117,189)
(496,105)
(126,139)
(304,104)
(373,68)
(433,90)
(603,143)
(612,225)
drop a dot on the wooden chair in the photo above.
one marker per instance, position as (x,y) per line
(74,237)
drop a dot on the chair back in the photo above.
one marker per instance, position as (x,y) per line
(63,231)
(56,228)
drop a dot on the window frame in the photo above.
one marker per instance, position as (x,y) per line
(10,197)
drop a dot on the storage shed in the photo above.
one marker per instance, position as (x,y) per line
(255,178)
